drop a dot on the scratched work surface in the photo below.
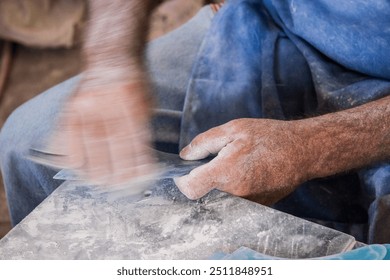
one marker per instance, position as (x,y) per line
(77,222)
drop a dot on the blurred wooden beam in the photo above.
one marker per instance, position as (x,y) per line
(6,60)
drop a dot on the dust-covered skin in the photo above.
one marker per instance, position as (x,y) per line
(103,132)
(265,160)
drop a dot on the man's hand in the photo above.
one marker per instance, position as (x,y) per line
(262,160)
(103,133)
(265,160)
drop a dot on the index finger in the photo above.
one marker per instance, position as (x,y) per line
(202,179)
(208,143)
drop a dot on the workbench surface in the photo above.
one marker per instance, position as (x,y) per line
(78,222)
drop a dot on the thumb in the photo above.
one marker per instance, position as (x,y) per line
(207,143)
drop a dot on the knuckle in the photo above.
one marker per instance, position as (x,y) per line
(234,123)
(237,126)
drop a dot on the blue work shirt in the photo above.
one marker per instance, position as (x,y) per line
(287,59)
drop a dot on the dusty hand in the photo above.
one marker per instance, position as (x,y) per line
(103,133)
(262,160)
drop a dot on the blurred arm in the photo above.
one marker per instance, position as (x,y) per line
(103,133)
(115,39)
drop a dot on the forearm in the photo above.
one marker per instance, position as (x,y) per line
(115,39)
(347,139)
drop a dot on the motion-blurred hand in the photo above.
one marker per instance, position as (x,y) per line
(103,133)
(262,160)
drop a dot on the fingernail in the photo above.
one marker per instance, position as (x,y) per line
(185,152)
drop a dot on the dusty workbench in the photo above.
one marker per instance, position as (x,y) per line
(78,222)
